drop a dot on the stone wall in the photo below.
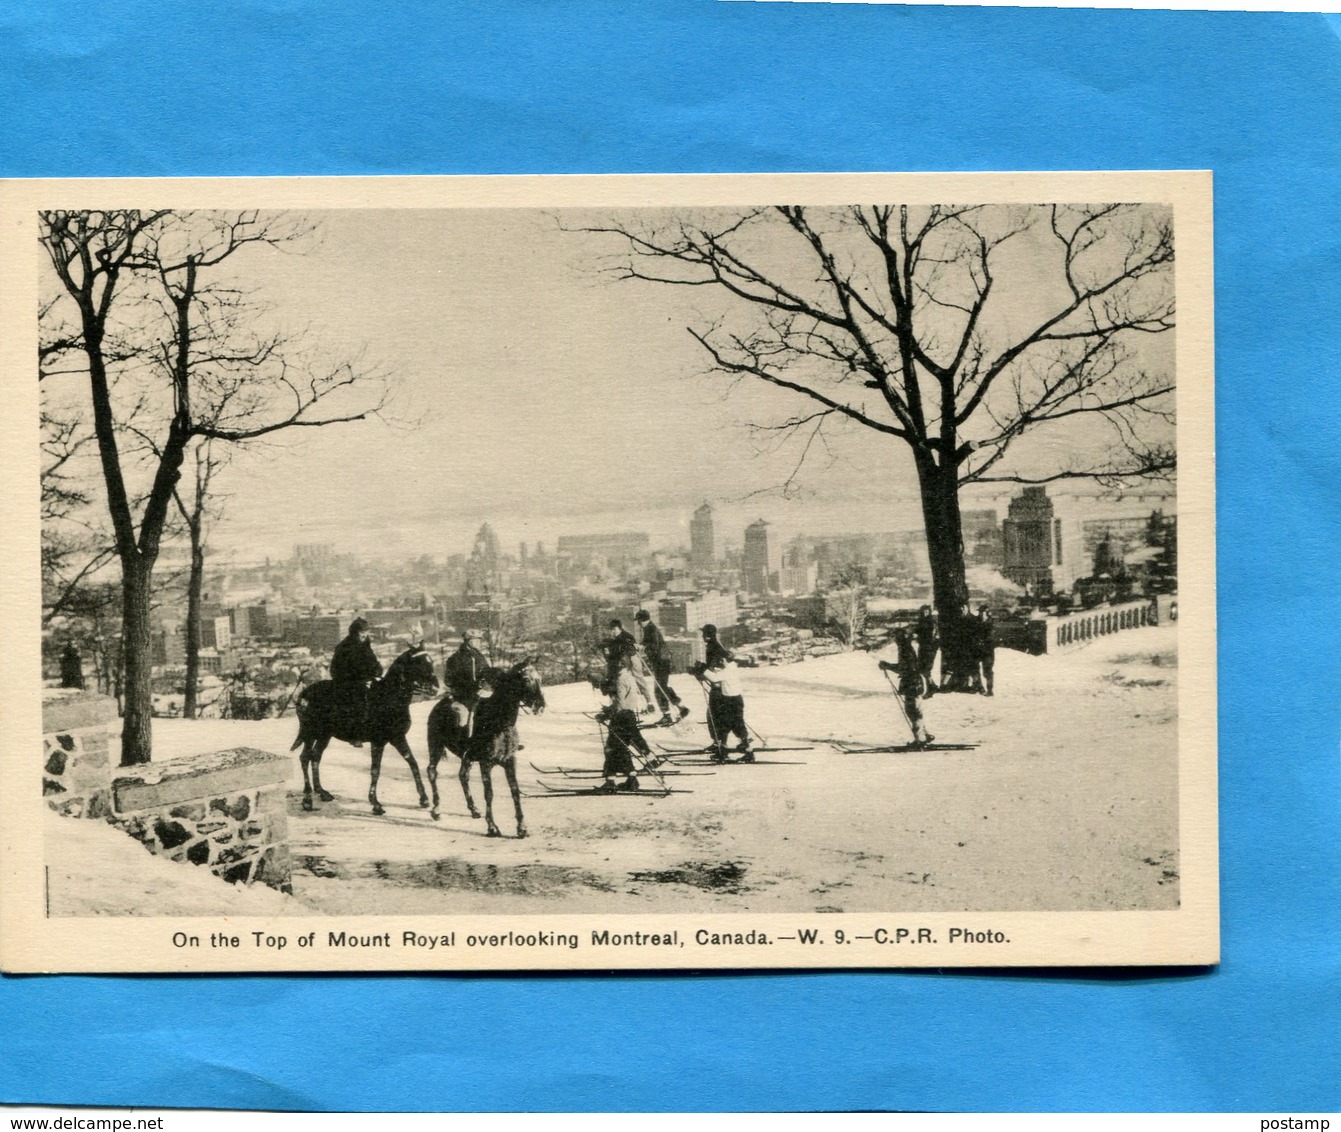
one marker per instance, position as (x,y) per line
(76,774)
(225,810)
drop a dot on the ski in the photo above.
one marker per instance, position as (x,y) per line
(569,791)
(741,762)
(593,772)
(909,748)
(706,750)
(641,726)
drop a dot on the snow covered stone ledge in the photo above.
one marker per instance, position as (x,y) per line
(225,810)
(76,779)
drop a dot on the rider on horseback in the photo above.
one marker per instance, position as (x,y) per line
(461,674)
(354,666)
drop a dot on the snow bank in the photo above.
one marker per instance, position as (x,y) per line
(96,870)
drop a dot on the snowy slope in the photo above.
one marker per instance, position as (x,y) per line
(1069,801)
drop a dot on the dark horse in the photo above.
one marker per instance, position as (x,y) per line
(323,717)
(492,740)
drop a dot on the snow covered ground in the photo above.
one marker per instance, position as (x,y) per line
(1068,802)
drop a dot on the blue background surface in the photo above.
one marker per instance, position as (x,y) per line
(288,87)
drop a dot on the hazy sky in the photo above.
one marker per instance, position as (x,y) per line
(547,399)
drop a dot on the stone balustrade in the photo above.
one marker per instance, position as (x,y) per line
(1074,629)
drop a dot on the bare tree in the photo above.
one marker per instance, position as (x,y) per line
(198,363)
(194,514)
(845,605)
(954,330)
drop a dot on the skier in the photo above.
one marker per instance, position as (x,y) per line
(622,735)
(619,643)
(461,674)
(910,685)
(726,705)
(354,666)
(714,649)
(654,651)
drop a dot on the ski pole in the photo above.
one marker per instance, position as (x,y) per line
(707,708)
(899,700)
(638,757)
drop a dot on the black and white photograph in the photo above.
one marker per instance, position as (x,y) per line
(641,572)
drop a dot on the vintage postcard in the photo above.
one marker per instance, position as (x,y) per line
(638,572)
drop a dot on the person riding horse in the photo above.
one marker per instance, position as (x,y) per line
(461,674)
(354,666)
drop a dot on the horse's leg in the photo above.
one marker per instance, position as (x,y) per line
(510,769)
(434,755)
(465,784)
(318,749)
(486,769)
(376,774)
(402,745)
(304,758)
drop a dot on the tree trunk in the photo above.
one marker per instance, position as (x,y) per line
(945,536)
(136,651)
(195,585)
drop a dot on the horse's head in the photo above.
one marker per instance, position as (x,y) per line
(532,696)
(519,683)
(414,670)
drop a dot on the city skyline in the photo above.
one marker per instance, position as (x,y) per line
(669,530)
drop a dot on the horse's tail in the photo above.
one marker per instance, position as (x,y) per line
(437,726)
(299,706)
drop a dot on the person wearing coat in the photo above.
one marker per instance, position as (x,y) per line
(654,651)
(623,736)
(927,644)
(354,666)
(726,704)
(909,689)
(461,675)
(986,652)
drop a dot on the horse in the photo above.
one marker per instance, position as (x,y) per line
(490,740)
(322,716)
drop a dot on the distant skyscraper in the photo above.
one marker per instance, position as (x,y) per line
(760,559)
(1031,539)
(702,541)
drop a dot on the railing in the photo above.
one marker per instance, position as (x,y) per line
(1076,628)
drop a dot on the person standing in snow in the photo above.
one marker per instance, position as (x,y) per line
(726,706)
(619,644)
(986,650)
(623,736)
(654,651)
(909,689)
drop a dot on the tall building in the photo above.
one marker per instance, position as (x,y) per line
(1048,543)
(702,541)
(1031,541)
(761,558)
